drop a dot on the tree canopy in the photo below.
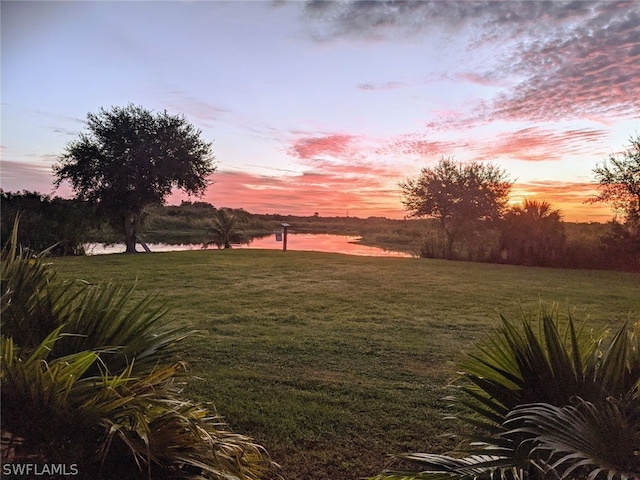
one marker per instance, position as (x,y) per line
(618,180)
(458,195)
(130,158)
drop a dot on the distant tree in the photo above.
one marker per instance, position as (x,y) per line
(460,196)
(224,230)
(533,234)
(618,180)
(619,184)
(131,158)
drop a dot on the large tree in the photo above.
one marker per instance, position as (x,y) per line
(131,158)
(461,196)
(618,180)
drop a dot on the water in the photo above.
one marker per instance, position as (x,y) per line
(315,242)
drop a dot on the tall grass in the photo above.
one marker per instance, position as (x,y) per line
(331,361)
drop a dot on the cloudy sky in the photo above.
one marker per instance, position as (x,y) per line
(325,106)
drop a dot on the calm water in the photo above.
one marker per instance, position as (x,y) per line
(295,241)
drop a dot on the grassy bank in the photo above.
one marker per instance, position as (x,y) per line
(331,361)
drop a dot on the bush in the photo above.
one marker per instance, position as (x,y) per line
(60,225)
(545,402)
(87,378)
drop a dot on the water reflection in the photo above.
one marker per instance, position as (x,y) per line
(315,242)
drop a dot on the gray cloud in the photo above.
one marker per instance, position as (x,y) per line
(572,59)
(17,175)
(330,20)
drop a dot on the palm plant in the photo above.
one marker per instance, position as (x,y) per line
(224,230)
(533,234)
(85,379)
(545,402)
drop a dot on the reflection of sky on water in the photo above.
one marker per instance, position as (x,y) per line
(322,243)
(300,241)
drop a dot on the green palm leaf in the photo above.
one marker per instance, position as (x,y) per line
(540,364)
(85,380)
(108,317)
(442,467)
(598,440)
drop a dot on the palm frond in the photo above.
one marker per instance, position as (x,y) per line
(84,379)
(442,467)
(109,317)
(520,388)
(24,279)
(597,440)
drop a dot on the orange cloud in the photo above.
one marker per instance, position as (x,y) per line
(568,197)
(364,196)
(304,194)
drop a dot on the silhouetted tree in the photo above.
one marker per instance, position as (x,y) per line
(533,234)
(461,196)
(131,158)
(619,182)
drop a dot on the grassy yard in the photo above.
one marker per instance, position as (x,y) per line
(333,362)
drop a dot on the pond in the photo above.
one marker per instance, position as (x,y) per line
(315,242)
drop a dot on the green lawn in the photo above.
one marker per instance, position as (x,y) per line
(333,362)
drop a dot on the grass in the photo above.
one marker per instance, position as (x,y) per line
(332,362)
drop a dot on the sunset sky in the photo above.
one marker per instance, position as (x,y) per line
(326,106)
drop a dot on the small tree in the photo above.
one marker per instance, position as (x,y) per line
(131,158)
(619,182)
(224,229)
(460,196)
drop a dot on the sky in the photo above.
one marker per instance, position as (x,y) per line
(325,107)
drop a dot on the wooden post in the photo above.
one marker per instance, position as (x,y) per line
(285,227)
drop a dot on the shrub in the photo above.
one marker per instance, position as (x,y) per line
(62,226)
(545,402)
(86,379)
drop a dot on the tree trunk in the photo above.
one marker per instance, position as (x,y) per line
(449,239)
(131,224)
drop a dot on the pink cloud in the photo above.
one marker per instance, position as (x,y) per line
(335,145)
(539,144)
(380,86)
(18,176)
(416,145)
(591,72)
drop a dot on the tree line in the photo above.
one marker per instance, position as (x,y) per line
(473,220)
(130,159)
